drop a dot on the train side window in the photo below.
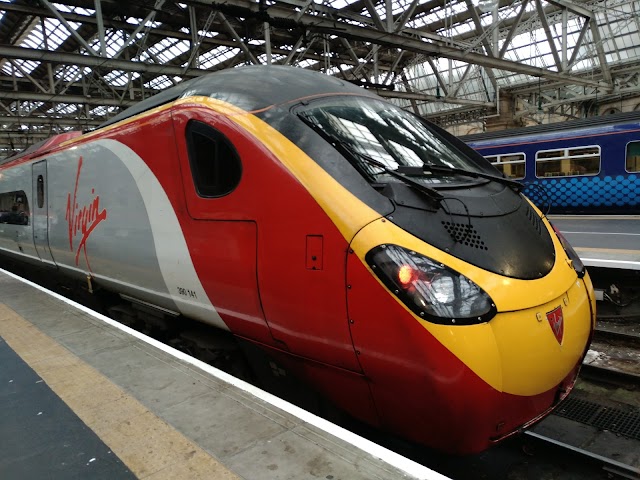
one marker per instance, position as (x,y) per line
(512,165)
(565,162)
(40,191)
(633,157)
(14,208)
(215,163)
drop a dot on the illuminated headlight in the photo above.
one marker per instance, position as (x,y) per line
(430,289)
(578,266)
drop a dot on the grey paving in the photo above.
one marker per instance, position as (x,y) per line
(245,433)
(41,437)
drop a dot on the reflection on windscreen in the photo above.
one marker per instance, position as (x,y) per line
(388,135)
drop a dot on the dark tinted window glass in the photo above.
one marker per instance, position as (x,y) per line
(40,191)
(215,164)
(14,208)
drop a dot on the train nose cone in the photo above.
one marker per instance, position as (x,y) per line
(539,346)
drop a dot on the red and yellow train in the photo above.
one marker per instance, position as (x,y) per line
(374,256)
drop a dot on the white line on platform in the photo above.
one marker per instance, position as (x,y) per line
(595,262)
(392,458)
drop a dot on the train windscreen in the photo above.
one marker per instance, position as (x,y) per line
(385,137)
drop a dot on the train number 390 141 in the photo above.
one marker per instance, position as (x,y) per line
(185,292)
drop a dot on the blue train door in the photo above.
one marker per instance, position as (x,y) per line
(40,212)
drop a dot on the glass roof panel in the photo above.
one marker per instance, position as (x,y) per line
(120,78)
(165,50)
(20,66)
(103,111)
(73,9)
(70,73)
(63,108)
(216,56)
(159,83)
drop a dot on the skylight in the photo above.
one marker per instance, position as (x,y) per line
(56,34)
(159,83)
(165,50)
(120,78)
(103,111)
(216,56)
(72,9)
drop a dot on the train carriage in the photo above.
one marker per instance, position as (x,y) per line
(369,253)
(588,166)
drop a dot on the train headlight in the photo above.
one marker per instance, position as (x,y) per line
(430,289)
(578,266)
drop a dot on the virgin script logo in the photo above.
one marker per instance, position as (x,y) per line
(82,220)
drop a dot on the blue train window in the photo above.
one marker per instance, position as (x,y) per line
(14,208)
(512,165)
(566,162)
(633,157)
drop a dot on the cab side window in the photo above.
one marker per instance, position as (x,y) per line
(14,208)
(215,163)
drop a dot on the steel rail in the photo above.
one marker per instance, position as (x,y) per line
(609,465)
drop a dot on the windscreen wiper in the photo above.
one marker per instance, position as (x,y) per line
(429,192)
(419,170)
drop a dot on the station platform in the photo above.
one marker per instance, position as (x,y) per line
(82,396)
(608,241)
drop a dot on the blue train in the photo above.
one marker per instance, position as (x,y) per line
(582,166)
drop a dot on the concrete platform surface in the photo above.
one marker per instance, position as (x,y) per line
(84,397)
(609,241)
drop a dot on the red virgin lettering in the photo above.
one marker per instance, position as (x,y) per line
(82,219)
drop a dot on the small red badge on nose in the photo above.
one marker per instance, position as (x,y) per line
(557,323)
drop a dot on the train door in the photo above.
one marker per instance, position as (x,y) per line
(40,212)
(220,227)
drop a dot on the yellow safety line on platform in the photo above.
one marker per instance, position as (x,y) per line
(148,446)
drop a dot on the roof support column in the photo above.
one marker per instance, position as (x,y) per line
(547,31)
(236,37)
(267,41)
(100,24)
(565,15)
(193,24)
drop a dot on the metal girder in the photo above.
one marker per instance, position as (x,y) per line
(485,42)
(132,37)
(598,43)
(580,10)
(236,37)
(422,97)
(513,28)
(326,25)
(547,31)
(374,16)
(71,30)
(96,62)
(42,120)
(64,98)
(161,32)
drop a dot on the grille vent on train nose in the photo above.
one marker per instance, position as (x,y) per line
(534,219)
(465,234)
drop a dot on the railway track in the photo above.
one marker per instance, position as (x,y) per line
(614,356)
(612,468)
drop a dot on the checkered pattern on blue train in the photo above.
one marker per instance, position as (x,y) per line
(586,194)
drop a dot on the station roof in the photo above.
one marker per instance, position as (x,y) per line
(78,63)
